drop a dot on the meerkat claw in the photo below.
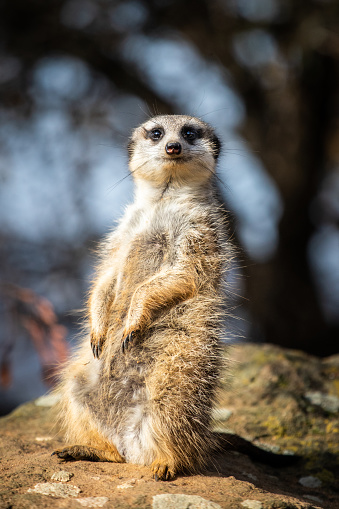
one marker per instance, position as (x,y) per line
(96,351)
(162,472)
(124,344)
(62,454)
(96,345)
(126,341)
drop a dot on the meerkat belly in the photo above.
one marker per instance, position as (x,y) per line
(134,440)
(131,429)
(126,419)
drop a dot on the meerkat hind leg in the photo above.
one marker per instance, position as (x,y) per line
(162,471)
(83,452)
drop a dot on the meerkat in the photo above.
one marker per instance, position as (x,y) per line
(142,385)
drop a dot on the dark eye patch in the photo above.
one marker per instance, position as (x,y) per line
(191,133)
(216,144)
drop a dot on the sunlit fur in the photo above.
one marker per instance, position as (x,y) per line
(161,274)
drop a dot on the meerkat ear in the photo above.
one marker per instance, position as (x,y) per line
(216,143)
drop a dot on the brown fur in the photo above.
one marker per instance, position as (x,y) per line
(156,313)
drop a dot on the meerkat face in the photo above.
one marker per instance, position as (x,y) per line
(175,148)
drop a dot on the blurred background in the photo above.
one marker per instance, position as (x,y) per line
(77,75)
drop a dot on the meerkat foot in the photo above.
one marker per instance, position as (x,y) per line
(162,471)
(82,452)
(128,340)
(97,343)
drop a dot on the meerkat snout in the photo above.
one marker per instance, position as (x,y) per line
(173,148)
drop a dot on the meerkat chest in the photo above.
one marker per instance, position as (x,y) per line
(154,234)
(147,242)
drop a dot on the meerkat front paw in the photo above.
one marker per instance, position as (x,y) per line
(97,343)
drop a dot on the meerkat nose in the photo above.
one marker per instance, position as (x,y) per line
(173,148)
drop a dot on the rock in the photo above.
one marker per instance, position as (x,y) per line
(127,484)
(250,476)
(167,501)
(92,501)
(55,489)
(271,407)
(251,504)
(327,402)
(314,498)
(310,481)
(62,476)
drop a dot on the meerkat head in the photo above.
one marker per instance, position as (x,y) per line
(176,148)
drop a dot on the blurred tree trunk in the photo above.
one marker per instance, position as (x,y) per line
(289,307)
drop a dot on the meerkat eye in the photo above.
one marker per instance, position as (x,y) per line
(155,134)
(189,133)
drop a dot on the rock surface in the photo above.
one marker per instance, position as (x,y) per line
(281,400)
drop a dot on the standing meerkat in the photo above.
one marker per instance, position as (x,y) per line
(143,382)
